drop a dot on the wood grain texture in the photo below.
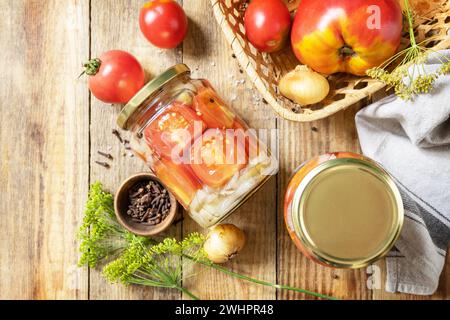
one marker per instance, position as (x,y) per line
(207,53)
(114,25)
(51,130)
(43,148)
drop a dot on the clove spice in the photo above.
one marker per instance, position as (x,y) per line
(103,164)
(117,134)
(149,203)
(106,155)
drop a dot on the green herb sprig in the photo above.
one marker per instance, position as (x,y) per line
(409,77)
(154,265)
(102,237)
(130,259)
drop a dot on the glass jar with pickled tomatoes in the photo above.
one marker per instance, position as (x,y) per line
(196,145)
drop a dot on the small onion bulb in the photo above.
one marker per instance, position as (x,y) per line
(223,242)
(304,86)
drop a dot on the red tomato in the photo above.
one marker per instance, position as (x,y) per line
(217,156)
(174,130)
(179,179)
(267,24)
(212,109)
(163,23)
(341,36)
(115,77)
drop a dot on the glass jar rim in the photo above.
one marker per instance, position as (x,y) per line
(298,213)
(149,89)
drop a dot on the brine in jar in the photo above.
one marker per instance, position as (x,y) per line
(196,145)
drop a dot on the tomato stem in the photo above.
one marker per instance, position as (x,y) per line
(346,51)
(91,67)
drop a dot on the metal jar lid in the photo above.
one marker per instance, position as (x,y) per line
(149,89)
(299,212)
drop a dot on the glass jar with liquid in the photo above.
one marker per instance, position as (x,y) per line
(343,210)
(196,145)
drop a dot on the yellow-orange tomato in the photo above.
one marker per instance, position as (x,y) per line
(346,36)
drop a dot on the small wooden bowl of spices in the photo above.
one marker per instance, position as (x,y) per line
(144,206)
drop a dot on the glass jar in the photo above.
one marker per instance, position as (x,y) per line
(196,145)
(343,210)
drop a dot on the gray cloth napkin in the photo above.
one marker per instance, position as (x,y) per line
(412,141)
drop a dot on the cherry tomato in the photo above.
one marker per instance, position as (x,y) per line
(115,77)
(179,179)
(267,24)
(212,109)
(163,23)
(174,130)
(217,156)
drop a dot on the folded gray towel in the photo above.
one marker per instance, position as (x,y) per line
(412,141)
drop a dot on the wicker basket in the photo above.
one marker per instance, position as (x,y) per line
(265,70)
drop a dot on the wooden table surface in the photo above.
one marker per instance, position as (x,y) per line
(51,129)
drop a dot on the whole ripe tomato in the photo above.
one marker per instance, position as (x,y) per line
(115,77)
(267,24)
(346,36)
(163,23)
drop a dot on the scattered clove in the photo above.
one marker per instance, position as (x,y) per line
(126,144)
(103,164)
(106,155)
(117,134)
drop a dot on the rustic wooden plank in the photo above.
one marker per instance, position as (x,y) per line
(298,143)
(208,54)
(45,145)
(115,25)
(43,148)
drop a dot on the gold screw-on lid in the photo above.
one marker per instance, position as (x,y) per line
(149,89)
(300,211)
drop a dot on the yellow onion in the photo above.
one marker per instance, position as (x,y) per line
(223,242)
(304,86)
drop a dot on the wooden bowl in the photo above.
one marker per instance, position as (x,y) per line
(121,203)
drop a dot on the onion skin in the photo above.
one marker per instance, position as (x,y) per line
(224,242)
(304,86)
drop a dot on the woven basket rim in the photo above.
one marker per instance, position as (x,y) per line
(328,110)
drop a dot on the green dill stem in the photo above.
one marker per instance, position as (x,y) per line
(410,22)
(261,282)
(190,294)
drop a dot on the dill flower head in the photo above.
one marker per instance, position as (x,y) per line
(101,235)
(131,260)
(424,83)
(151,263)
(410,77)
(445,69)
